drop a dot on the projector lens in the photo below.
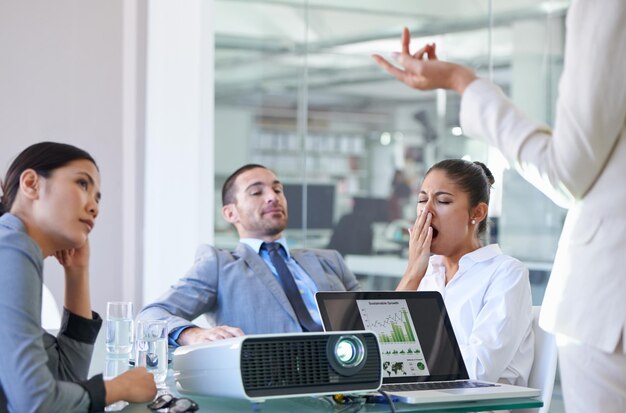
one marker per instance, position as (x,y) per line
(346,351)
(349,351)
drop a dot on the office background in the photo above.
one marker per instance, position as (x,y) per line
(170,97)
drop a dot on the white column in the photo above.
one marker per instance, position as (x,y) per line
(179,140)
(133,133)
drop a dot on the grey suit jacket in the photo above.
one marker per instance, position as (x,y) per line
(238,289)
(40,372)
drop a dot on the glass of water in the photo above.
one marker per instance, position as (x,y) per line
(119,323)
(115,364)
(151,348)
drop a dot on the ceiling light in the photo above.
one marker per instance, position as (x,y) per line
(385,138)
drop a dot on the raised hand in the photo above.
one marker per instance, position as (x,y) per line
(134,386)
(421,235)
(423,70)
(75,262)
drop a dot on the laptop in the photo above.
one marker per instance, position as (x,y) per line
(421,359)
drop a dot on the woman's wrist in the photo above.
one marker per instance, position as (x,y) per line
(112,392)
(410,281)
(77,299)
(461,78)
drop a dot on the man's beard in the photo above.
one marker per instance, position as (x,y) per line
(276,229)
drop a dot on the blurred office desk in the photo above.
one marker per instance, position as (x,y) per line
(377,265)
(313,238)
(385,271)
(377,272)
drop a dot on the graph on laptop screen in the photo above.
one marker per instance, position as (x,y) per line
(401,351)
(403,321)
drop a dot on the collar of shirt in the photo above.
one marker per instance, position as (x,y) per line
(256,244)
(467,261)
(11,221)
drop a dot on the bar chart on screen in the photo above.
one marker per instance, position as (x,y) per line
(400,347)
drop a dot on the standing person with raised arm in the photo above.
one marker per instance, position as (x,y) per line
(580,164)
(49,205)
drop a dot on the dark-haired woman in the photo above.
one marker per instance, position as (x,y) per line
(49,206)
(487,294)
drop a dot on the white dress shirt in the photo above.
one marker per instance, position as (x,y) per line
(490,308)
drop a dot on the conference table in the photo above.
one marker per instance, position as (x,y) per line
(317,404)
(102,362)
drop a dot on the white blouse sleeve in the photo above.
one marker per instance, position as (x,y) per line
(565,162)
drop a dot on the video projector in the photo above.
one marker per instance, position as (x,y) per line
(267,366)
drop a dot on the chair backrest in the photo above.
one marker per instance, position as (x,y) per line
(50,316)
(543,372)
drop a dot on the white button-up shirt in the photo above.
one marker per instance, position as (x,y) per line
(490,308)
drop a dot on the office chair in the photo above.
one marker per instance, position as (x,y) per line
(543,371)
(50,315)
(353,234)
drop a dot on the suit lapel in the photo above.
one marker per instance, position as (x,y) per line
(264,274)
(311,265)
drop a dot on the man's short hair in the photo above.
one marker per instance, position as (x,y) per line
(228,195)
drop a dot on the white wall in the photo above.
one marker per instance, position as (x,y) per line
(75,71)
(61,79)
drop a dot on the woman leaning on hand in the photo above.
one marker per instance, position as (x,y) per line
(49,205)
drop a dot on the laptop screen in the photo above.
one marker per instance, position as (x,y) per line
(415,335)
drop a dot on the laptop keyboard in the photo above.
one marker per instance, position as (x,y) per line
(437,385)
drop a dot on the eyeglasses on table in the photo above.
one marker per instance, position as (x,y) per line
(167,403)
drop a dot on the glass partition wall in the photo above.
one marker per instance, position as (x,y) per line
(296,90)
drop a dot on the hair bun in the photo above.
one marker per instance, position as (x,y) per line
(487,172)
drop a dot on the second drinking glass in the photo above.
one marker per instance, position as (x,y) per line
(151,348)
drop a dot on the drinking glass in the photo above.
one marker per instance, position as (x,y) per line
(151,348)
(119,323)
(115,364)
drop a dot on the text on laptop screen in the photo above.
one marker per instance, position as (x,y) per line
(415,335)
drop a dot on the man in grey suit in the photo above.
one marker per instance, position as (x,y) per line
(245,288)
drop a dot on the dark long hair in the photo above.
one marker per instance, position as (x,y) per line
(474,178)
(43,158)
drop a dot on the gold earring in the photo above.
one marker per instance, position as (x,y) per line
(473,222)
